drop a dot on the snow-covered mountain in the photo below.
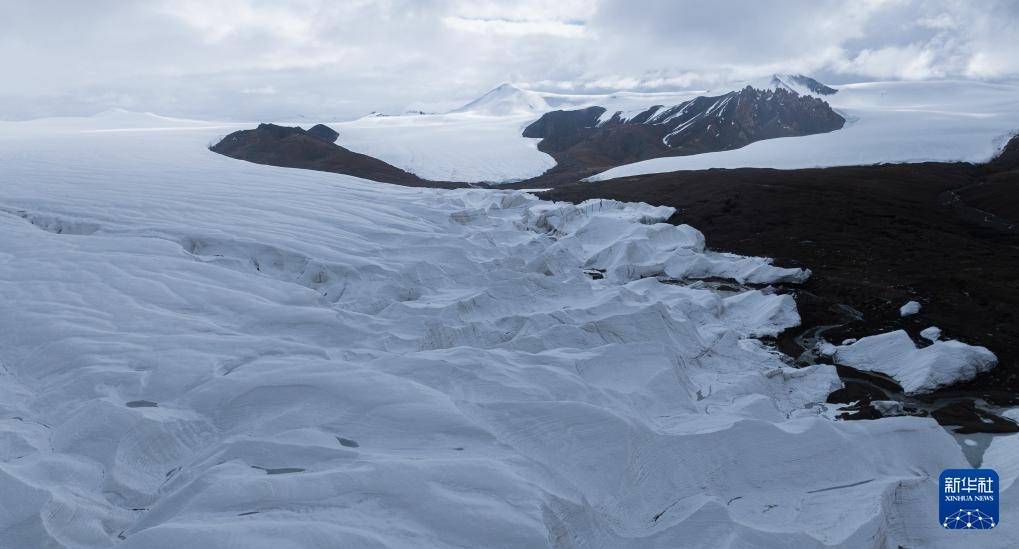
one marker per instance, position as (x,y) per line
(803,85)
(202,352)
(886,122)
(596,138)
(797,83)
(481,141)
(504,100)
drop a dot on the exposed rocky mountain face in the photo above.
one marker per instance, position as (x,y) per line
(561,130)
(591,139)
(297,148)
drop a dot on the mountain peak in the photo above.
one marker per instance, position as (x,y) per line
(506,99)
(803,85)
(796,83)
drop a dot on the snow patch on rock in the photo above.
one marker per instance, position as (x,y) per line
(909,309)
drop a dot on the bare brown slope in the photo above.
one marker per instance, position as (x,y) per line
(296,148)
(998,195)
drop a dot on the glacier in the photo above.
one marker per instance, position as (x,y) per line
(459,146)
(200,351)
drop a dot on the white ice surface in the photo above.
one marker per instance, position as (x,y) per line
(886,122)
(917,370)
(202,352)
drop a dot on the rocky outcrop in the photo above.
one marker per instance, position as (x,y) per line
(293,147)
(1008,158)
(996,197)
(563,129)
(324,132)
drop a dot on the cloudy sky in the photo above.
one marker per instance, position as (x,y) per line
(335,59)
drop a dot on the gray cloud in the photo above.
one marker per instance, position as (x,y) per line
(258,59)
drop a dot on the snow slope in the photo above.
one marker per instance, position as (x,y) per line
(201,352)
(886,122)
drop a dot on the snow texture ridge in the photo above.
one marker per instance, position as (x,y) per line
(201,352)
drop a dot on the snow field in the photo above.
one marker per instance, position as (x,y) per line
(201,351)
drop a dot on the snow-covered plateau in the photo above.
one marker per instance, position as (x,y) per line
(201,352)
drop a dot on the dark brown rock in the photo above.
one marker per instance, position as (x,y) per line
(324,132)
(967,418)
(296,148)
(1008,158)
